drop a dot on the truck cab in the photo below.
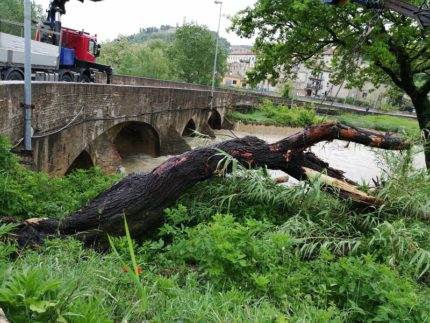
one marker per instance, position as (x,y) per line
(85,45)
(57,54)
(78,53)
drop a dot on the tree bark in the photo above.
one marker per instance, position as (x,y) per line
(422,107)
(143,197)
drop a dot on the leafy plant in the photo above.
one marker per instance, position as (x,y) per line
(269,113)
(27,194)
(29,296)
(6,248)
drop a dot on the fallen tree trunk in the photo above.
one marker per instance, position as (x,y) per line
(143,197)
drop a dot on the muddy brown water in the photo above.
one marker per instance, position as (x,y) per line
(360,163)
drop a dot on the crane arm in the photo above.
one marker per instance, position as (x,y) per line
(52,22)
(58,6)
(421,13)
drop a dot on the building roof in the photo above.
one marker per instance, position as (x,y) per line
(242,52)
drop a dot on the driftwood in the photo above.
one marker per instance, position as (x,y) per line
(143,197)
(3,318)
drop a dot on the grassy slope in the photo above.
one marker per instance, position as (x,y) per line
(377,122)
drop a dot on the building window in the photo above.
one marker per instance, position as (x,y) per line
(234,82)
(228,82)
(364,95)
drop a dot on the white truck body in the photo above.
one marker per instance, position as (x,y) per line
(44,56)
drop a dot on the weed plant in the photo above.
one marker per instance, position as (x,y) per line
(236,248)
(269,113)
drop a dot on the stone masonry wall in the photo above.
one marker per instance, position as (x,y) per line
(71,117)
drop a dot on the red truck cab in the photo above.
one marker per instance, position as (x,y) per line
(77,55)
(85,45)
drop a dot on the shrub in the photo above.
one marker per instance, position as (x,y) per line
(29,194)
(283,115)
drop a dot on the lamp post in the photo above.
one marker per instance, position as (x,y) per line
(216,53)
(27,76)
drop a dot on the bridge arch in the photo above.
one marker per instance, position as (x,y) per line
(136,137)
(83,161)
(167,108)
(215,120)
(189,129)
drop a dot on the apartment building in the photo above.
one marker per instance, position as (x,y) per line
(305,84)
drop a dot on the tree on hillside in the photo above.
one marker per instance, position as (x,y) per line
(165,33)
(393,47)
(14,10)
(113,52)
(192,55)
(147,59)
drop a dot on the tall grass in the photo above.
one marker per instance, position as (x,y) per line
(379,122)
(239,248)
(269,114)
(26,194)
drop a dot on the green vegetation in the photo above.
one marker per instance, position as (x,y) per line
(192,55)
(394,51)
(136,59)
(379,122)
(368,104)
(165,32)
(287,90)
(234,248)
(269,113)
(183,54)
(25,194)
(13,10)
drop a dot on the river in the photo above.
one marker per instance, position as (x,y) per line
(360,163)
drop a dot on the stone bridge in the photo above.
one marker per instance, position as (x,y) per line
(79,125)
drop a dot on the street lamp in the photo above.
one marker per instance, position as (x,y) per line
(216,53)
(27,76)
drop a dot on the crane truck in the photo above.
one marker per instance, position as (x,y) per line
(421,14)
(57,53)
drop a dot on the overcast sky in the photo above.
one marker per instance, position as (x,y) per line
(109,18)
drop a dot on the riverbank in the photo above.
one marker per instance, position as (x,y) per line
(285,117)
(360,163)
(234,248)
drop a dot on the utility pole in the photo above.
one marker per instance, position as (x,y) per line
(216,54)
(27,76)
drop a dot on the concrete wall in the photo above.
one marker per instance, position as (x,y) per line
(70,118)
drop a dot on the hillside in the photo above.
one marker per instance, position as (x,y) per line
(166,33)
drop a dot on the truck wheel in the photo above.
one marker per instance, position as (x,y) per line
(66,78)
(14,76)
(85,78)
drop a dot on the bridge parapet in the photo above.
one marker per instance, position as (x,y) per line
(70,118)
